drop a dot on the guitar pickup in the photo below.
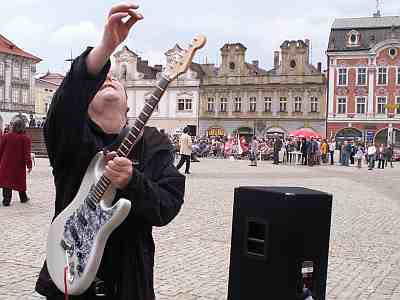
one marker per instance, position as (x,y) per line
(66,246)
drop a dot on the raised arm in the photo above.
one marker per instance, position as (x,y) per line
(115,32)
(67,115)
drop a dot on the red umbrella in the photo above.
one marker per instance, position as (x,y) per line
(305,133)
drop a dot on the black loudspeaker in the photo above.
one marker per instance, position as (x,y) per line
(280,243)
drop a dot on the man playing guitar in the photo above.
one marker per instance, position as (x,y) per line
(86,115)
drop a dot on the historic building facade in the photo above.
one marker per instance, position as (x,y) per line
(242,97)
(179,105)
(364,79)
(45,87)
(16,81)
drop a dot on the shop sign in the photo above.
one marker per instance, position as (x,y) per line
(215,131)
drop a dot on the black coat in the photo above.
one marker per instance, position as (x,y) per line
(156,188)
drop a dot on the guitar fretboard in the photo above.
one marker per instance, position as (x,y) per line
(132,137)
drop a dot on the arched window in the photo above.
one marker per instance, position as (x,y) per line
(232,66)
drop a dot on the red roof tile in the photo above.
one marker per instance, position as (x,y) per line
(9,47)
(54,78)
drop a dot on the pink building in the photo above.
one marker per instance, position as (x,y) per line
(364,79)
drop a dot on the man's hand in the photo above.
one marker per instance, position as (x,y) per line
(115,32)
(118,169)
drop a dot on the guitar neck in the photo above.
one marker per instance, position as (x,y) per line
(132,137)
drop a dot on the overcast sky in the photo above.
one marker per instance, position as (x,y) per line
(53,29)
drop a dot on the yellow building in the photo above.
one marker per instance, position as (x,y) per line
(45,87)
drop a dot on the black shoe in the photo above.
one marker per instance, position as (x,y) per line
(6,203)
(25,200)
(187,173)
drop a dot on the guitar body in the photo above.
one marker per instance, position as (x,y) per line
(78,235)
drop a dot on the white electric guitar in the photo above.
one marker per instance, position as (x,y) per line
(78,235)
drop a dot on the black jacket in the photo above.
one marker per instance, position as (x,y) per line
(156,188)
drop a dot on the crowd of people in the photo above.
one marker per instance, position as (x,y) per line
(304,151)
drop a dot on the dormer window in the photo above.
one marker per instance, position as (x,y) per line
(392,52)
(232,66)
(353,38)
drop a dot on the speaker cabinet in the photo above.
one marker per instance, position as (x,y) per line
(280,243)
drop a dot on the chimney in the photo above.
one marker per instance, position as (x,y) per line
(276,59)
(307,42)
(319,67)
(255,63)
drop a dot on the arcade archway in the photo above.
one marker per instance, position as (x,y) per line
(348,134)
(388,136)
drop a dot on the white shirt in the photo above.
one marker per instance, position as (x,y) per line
(371,150)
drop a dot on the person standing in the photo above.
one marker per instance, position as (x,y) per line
(381,156)
(253,152)
(277,148)
(332,148)
(86,115)
(389,155)
(15,158)
(185,146)
(359,156)
(324,151)
(304,151)
(371,156)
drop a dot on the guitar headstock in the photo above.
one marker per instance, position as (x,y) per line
(179,60)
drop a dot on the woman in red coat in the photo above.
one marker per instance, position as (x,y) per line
(15,157)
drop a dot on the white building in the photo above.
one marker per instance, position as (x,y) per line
(179,105)
(16,81)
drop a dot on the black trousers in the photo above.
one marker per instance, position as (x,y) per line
(331,153)
(7,195)
(184,158)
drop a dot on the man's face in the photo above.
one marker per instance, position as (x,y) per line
(111,93)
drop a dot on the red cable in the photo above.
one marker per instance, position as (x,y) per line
(65,283)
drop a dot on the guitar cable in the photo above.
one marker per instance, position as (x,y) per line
(65,283)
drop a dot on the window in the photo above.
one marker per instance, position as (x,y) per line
(24,96)
(382,75)
(188,104)
(1,93)
(342,76)
(210,105)
(297,104)
(283,104)
(223,104)
(392,52)
(353,38)
(361,102)
(398,75)
(16,70)
(25,73)
(314,104)
(232,66)
(342,105)
(381,102)
(253,104)
(238,104)
(15,94)
(184,104)
(267,104)
(397,102)
(1,69)
(362,76)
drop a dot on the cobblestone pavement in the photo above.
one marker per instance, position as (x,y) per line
(192,256)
